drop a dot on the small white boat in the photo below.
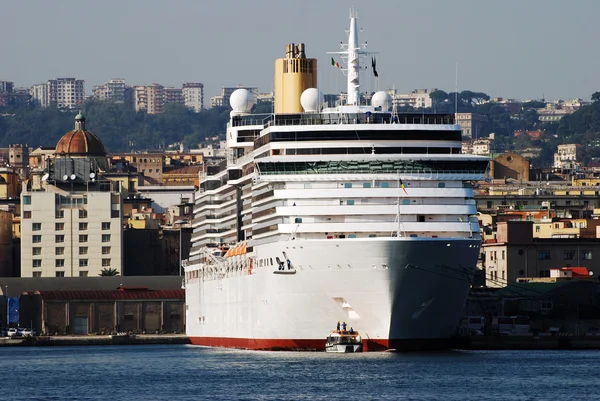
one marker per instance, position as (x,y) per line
(343,341)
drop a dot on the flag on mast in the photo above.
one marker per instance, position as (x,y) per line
(402,186)
(374,65)
(335,63)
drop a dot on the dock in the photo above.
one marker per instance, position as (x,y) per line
(125,339)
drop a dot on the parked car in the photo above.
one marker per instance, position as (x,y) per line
(25,332)
(12,332)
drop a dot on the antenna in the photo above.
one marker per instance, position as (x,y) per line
(456,92)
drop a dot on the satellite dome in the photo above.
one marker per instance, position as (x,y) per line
(382,99)
(241,101)
(312,99)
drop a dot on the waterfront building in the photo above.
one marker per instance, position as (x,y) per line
(193,95)
(66,92)
(71,219)
(515,254)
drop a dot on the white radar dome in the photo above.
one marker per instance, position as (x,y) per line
(382,99)
(241,101)
(312,99)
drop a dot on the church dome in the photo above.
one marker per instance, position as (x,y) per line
(80,142)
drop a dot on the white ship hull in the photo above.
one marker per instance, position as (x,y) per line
(395,291)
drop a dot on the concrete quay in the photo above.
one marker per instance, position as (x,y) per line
(125,339)
(499,343)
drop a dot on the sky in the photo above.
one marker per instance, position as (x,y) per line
(522,49)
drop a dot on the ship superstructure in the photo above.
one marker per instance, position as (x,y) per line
(355,213)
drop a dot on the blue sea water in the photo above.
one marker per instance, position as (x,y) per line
(177,372)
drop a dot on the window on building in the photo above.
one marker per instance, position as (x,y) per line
(586,255)
(60,263)
(83,238)
(37,274)
(59,250)
(27,199)
(36,251)
(106,226)
(27,214)
(537,229)
(36,263)
(83,214)
(83,262)
(59,238)
(59,226)
(36,227)
(106,250)
(60,274)
(60,214)
(105,262)
(105,237)
(503,256)
(569,255)
(83,226)
(83,250)
(544,255)
(36,239)
(83,274)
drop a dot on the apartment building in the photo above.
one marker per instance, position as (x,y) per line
(39,94)
(567,155)
(66,93)
(193,95)
(140,98)
(173,95)
(113,90)
(155,96)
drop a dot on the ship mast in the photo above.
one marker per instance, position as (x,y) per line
(351,53)
(353,60)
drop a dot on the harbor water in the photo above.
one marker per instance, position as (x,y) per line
(181,372)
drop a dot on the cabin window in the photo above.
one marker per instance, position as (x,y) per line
(406,201)
(352,236)
(348,185)
(366,185)
(441,185)
(298,220)
(385,185)
(544,255)
(350,202)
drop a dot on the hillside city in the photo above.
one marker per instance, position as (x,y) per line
(122,207)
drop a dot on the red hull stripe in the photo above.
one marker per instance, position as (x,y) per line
(278,344)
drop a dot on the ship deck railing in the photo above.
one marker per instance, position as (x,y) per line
(333,118)
(446,174)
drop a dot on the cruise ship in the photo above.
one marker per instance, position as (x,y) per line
(353,213)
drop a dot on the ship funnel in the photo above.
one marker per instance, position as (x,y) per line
(293,75)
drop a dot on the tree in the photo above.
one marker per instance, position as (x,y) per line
(595,96)
(108,272)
